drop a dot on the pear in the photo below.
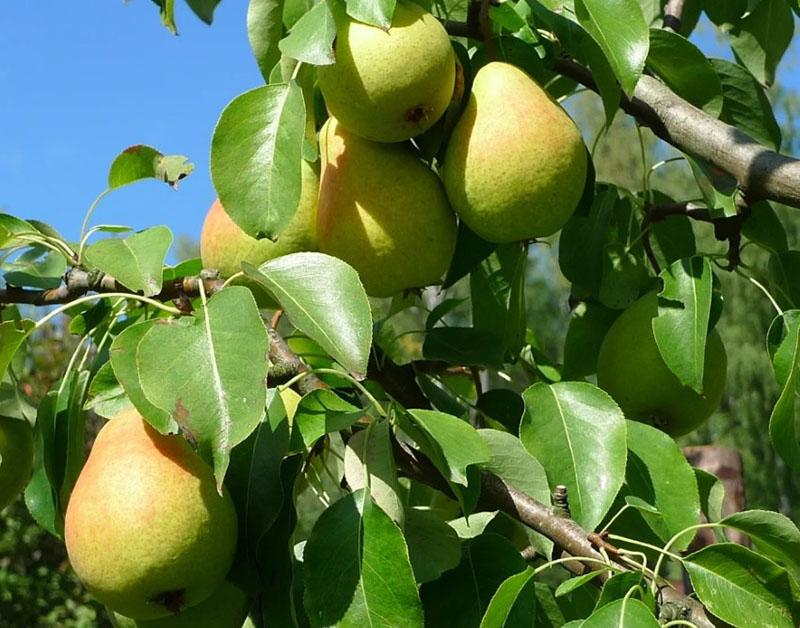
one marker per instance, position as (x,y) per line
(389,85)
(515,164)
(16,458)
(146,530)
(382,211)
(630,368)
(224,245)
(225,608)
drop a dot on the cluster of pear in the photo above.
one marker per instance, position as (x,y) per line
(513,169)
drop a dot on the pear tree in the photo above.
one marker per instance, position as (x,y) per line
(340,414)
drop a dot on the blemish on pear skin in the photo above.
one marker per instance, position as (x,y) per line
(417,115)
(173,601)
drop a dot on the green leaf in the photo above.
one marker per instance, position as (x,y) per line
(369,463)
(578,433)
(12,335)
(617,587)
(145,162)
(202,384)
(470,251)
(106,396)
(474,525)
(321,412)
(461,597)
(167,12)
(719,189)
(762,37)
(373,12)
(11,228)
(619,28)
(204,9)
(433,545)
(513,604)
(440,311)
(587,329)
(264,30)
(764,228)
(686,70)
(255,157)
(465,346)
(325,300)
(503,406)
(311,38)
(37,267)
(775,534)
(623,271)
(712,494)
(741,587)
(453,445)
(370,581)
(673,239)
(568,586)
(136,261)
(70,433)
(784,343)
(659,474)
(745,105)
(681,327)
(123,358)
(625,612)
(783,270)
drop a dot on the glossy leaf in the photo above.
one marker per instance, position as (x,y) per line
(513,604)
(204,9)
(202,384)
(325,300)
(373,12)
(625,612)
(762,37)
(37,267)
(774,534)
(106,396)
(145,162)
(255,157)
(783,269)
(264,31)
(136,261)
(588,326)
(619,28)
(765,228)
(433,545)
(718,188)
(618,586)
(321,412)
(784,344)
(470,251)
(312,36)
(11,228)
(578,433)
(12,335)
(681,327)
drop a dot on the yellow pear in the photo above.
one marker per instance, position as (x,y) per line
(225,608)
(515,164)
(383,212)
(630,368)
(224,245)
(146,530)
(389,85)
(16,458)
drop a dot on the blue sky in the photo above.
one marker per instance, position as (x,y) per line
(80,81)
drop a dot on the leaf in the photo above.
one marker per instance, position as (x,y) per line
(255,157)
(201,383)
(623,271)
(775,534)
(673,239)
(433,545)
(578,433)
(587,329)
(619,28)
(106,396)
(568,586)
(685,70)
(70,434)
(719,189)
(745,105)
(370,581)
(440,311)
(264,31)
(373,12)
(37,267)
(136,261)
(625,612)
(513,604)
(325,300)
(681,327)
(145,162)
(311,38)
(369,463)
(783,272)
(470,251)
(659,474)
(712,494)
(741,587)
(204,9)
(167,12)
(461,597)
(764,228)
(762,37)
(503,406)
(321,412)
(12,335)
(784,343)
(464,346)
(617,587)
(123,358)
(11,228)
(453,445)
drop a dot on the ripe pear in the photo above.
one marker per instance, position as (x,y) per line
(225,608)
(389,85)
(515,164)
(224,245)
(16,458)
(146,530)
(630,368)
(383,212)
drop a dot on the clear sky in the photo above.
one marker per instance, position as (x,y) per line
(80,81)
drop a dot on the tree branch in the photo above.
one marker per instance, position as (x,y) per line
(673,14)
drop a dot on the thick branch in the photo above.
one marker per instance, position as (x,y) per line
(673,14)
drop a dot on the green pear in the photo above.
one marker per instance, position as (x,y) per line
(630,368)
(16,458)
(389,85)
(224,245)
(146,530)
(383,212)
(225,608)
(515,164)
